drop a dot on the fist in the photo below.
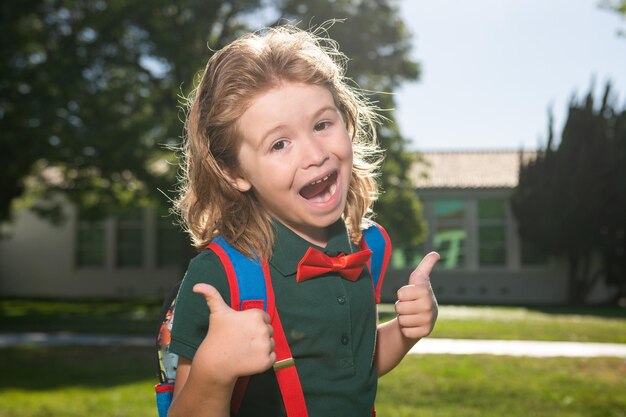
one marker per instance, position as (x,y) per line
(238,343)
(416,308)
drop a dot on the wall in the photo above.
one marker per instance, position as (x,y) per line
(37,260)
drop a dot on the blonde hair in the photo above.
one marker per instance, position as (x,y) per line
(209,205)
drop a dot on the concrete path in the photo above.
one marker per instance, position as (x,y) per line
(73,339)
(424,347)
(518,348)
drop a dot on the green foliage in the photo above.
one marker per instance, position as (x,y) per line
(571,200)
(91,93)
(84,108)
(618,6)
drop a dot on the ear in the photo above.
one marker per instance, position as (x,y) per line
(237,180)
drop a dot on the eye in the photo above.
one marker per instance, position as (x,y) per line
(321,126)
(279,145)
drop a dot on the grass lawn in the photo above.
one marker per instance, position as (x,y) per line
(490,386)
(80,316)
(77,381)
(583,324)
(117,382)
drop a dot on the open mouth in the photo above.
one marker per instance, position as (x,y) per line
(321,190)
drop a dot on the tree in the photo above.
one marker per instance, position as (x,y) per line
(571,200)
(90,93)
(617,6)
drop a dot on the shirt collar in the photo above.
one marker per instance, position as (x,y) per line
(289,248)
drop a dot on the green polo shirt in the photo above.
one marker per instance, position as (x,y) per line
(329,322)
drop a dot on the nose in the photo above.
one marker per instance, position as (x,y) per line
(314,151)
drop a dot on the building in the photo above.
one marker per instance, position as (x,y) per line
(466,205)
(137,255)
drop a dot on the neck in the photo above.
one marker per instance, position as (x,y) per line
(318,237)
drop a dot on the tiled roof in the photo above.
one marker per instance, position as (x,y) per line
(469,169)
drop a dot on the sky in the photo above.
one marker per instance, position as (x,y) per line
(491,69)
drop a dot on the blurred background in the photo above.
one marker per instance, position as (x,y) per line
(505,154)
(505,138)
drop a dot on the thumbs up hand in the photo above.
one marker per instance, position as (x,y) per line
(238,343)
(416,307)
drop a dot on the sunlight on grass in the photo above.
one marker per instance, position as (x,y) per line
(130,400)
(442,386)
(117,381)
(519,323)
(433,385)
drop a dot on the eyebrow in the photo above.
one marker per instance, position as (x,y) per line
(283,126)
(324,109)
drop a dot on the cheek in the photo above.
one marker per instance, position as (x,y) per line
(348,152)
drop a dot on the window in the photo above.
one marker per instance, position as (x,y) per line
(492,232)
(90,243)
(169,241)
(129,238)
(402,258)
(450,235)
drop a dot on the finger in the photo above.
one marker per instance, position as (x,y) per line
(413,292)
(421,274)
(411,307)
(213,298)
(414,320)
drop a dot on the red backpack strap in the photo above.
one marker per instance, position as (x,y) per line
(251,287)
(376,239)
(247,290)
(285,367)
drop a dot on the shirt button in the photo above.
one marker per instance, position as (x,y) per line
(345,339)
(341,299)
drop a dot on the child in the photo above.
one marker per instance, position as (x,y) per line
(280,156)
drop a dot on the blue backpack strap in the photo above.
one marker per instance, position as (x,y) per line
(245,276)
(376,239)
(248,290)
(251,278)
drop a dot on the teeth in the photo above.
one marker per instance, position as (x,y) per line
(320,180)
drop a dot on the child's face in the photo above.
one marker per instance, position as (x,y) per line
(296,156)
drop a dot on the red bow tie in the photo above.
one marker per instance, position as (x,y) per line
(315,263)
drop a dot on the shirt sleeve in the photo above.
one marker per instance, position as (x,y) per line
(191,313)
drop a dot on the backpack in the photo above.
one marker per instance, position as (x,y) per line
(250,287)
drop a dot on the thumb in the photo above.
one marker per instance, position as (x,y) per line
(421,274)
(213,298)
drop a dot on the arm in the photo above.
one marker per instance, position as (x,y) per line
(416,313)
(194,398)
(238,343)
